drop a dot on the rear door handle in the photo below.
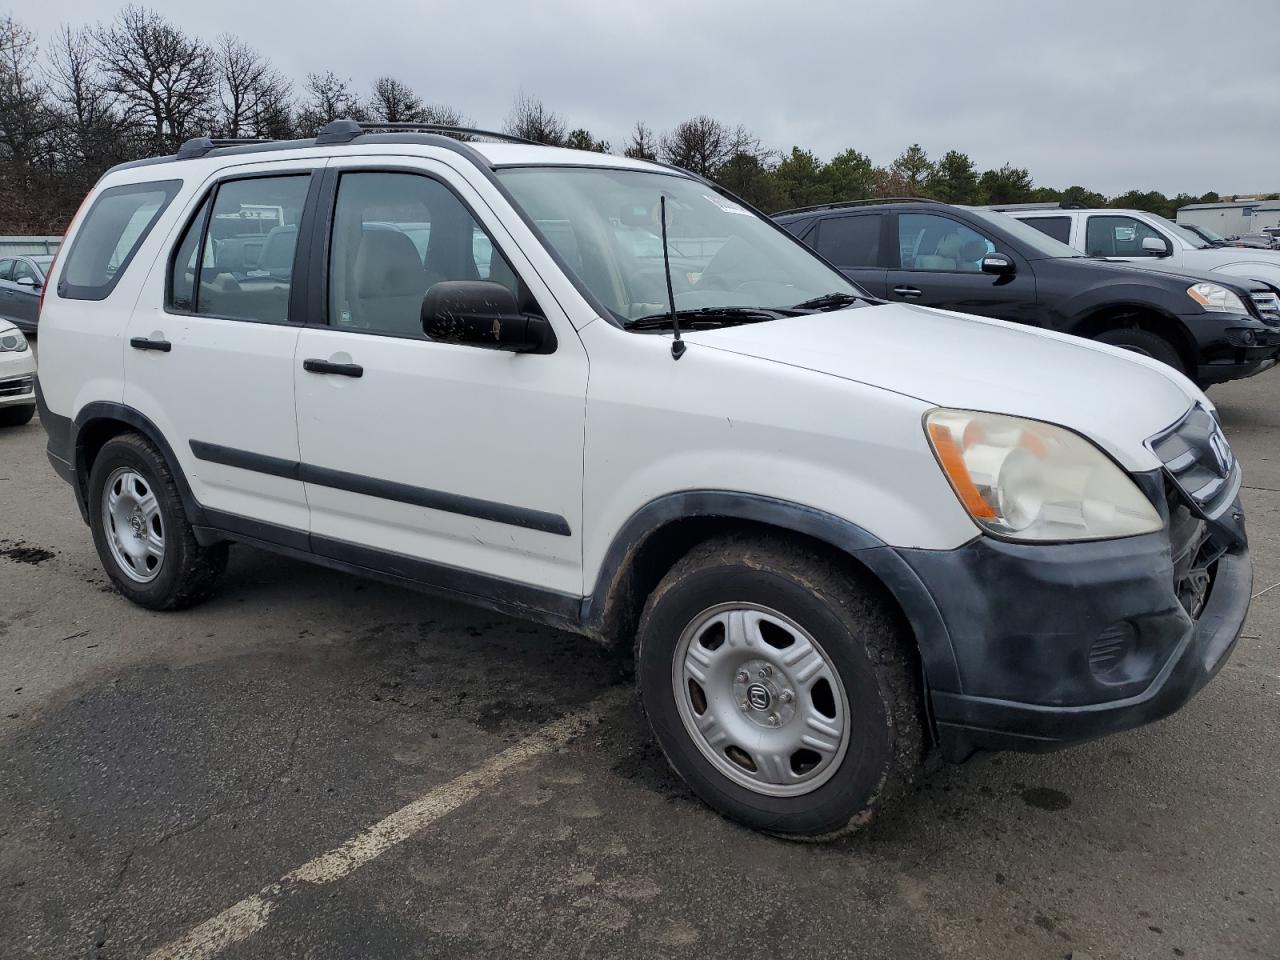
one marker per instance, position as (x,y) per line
(909,293)
(338,369)
(144,343)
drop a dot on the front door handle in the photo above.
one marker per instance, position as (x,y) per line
(908,293)
(145,343)
(338,369)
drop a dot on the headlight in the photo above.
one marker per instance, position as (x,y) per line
(12,342)
(1027,480)
(1213,297)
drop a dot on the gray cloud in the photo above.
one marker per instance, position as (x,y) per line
(1179,95)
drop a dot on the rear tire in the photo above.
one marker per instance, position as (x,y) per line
(1146,343)
(141,531)
(807,718)
(17,416)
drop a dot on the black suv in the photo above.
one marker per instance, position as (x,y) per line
(1212,328)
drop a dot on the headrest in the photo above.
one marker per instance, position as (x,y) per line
(387,265)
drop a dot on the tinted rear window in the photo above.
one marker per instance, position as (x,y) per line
(112,231)
(1057,227)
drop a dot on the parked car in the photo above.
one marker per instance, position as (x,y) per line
(1259,241)
(836,530)
(1143,237)
(21,281)
(17,377)
(1211,328)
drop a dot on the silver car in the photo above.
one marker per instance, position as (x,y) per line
(21,280)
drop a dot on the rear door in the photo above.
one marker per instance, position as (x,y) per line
(938,264)
(210,355)
(449,463)
(856,243)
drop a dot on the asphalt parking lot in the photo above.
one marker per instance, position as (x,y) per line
(313,765)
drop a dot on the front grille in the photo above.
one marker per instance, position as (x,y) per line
(1194,551)
(1268,305)
(16,386)
(1199,461)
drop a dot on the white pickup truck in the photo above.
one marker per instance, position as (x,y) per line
(1151,239)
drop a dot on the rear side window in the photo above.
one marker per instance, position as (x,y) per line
(850,241)
(112,231)
(1057,227)
(244,240)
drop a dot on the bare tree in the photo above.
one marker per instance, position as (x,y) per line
(91,135)
(26,115)
(530,119)
(395,102)
(643,144)
(329,98)
(703,145)
(248,87)
(165,80)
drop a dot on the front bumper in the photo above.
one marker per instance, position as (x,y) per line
(1059,643)
(1219,358)
(17,379)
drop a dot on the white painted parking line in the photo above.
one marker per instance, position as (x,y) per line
(1268,590)
(242,920)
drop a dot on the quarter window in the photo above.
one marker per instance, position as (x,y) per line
(247,236)
(930,242)
(1114,236)
(1057,227)
(394,236)
(850,241)
(113,229)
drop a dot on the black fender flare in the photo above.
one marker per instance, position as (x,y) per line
(883,561)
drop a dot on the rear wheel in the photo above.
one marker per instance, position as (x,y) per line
(141,531)
(17,416)
(1146,343)
(779,687)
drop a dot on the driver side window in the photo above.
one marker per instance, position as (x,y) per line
(1113,236)
(939,244)
(394,236)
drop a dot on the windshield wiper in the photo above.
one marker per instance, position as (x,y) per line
(706,315)
(828,301)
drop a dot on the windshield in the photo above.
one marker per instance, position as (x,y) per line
(1204,232)
(1182,233)
(1038,245)
(605,225)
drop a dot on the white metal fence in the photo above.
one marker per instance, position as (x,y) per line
(9,246)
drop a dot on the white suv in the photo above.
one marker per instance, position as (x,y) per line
(839,531)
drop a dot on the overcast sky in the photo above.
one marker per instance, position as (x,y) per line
(1173,95)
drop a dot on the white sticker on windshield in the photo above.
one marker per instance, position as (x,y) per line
(727,205)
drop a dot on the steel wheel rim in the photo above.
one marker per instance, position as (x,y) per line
(732,672)
(132,524)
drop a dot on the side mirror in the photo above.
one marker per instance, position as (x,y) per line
(26,282)
(999,264)
(480,313)
(1155,245)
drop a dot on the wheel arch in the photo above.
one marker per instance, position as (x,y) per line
(1144,316)
(662,531)
(99,422)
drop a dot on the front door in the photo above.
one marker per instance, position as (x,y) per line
(435,460)
(939,265)
(210,355)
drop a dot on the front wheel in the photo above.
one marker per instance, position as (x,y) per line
(1146,343)
(779,687)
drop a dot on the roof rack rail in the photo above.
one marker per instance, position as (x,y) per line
(344,131)
(858,203)
(199,146)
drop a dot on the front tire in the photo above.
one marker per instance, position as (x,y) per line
(1146,343)
(141,531)
(780,687)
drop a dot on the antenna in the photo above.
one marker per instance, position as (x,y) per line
(677,346)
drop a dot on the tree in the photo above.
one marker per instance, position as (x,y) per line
(26,114)
(1080,196)
(530,119)
(251,93)
(800,180)
(581,139)
(1153,201)
(912,169)
(954,179)
(643,145)
(702,145)
(329,98)
(395,102)
(850,175)
(164,79)
(747,175)
(1009,184)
